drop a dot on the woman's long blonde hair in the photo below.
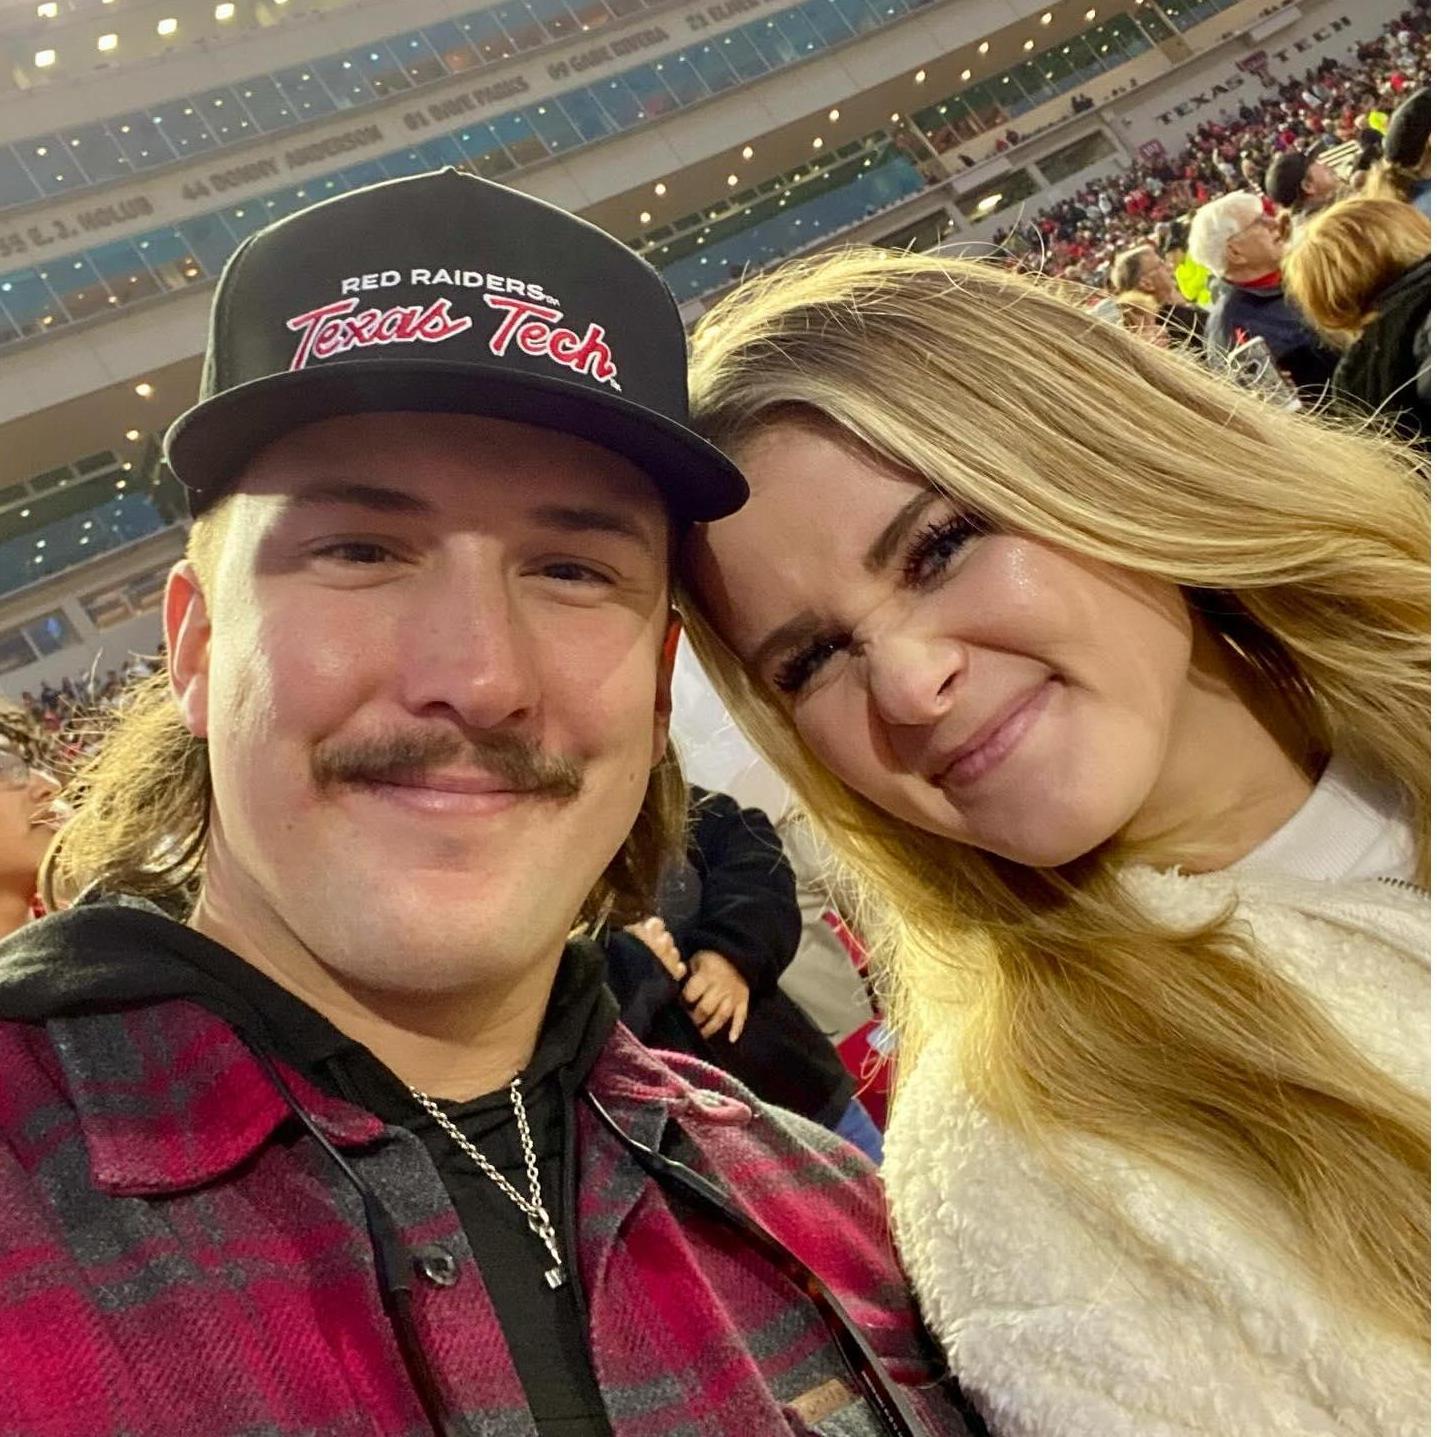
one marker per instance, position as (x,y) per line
(1344,257)
(1303,547)
(142,804)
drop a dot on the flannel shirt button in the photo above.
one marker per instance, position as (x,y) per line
(710,1100)
(436,1266)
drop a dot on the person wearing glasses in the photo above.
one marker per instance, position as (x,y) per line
(26,823)
(1240,243)
(1107,683)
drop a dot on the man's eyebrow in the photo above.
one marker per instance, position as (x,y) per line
(790,635)
(377,497)
(586,519)
(883,548)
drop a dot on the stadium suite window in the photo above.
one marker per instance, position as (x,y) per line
(346,84)
(743,58)
(123,272)
(555,18)
(141,140)
(520,25)
(650,93)
(486,35)
(455,51)
(421,63)
(227,115)
(586,114)
(17,187)
(50,633)
(551,125)
(828,23)
(486,151)
(683,80)
(305,91)
(28,302)
(94,150)
(52,168)
(383,70)
(15,651)
(184,127)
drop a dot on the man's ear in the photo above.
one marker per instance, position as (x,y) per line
(187,646)
(664,691)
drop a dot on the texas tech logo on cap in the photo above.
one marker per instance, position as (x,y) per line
(527,320)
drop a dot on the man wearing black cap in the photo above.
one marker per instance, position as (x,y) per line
(1301,183)
(313,1119)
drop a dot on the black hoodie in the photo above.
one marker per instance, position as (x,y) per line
(108,954)
(1389,369)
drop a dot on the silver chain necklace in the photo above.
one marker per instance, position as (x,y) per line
(535,1213)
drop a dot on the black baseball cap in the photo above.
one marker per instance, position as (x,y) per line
(1409,130)
(446,293)
(1283,181)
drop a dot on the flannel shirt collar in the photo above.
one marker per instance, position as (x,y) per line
(169,1097)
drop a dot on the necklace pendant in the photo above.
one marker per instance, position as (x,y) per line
(555,1276)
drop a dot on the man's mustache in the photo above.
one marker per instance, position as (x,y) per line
(406,757)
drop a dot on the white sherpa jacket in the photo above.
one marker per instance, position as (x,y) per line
(1060,1324)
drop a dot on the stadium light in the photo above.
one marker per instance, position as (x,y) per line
(132,435)
(1027,44)
(144,389)
(661,189)
(48,10)
(44,59)
(225,11)
(832,116)
(920,76)
(818,142)
(644,217)
(732,181)
(966,75)
(1091,15)
(1046,18)
(989,202)
(167,26)
(107,42)
(983,48)
(747,152)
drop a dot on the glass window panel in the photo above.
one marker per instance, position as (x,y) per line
(1133,37)
(94,150)
(860,15)
(647,87)
(555,17)
(245,218)
(417,56)
(484,32)
(712,67)
(619,103)
(170,258)
(32,308)
(1057,68)
(982,99)
(624,8)
(405,162)
(16,185)
(142,140)
(369,172)
(15,653)
(772,43)
(9,330)
(50,632)
(184,127)
(551,125)
(453,47)
(744,60)
(210,241)
(383,71)
(346,82)
(826,20)
(279,203)
(1035,84)
(524,146)
(51,166)
(586,114)
(265,103)
(799,31)
(519,24)
(441,151)
(306,92)
(75,283)
(1152,25)
(684,82)
(487,155)
(124,274)
(591,14)
(226,114)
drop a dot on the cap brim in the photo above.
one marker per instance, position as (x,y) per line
(209,445)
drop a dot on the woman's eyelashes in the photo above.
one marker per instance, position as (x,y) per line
(935,546)
(925,563)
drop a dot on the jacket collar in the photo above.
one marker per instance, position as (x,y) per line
(169,1097)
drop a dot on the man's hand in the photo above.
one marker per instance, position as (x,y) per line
(655,936)
(716,994)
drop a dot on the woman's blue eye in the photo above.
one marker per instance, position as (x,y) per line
(936,546)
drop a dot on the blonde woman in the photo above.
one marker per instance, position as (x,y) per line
(1108,685)
(1362,273)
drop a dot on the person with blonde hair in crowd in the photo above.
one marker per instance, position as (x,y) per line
(26,821)
(1362,273)
(1107,683)
(1152,304)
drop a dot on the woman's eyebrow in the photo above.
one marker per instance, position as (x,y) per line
(883,548)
